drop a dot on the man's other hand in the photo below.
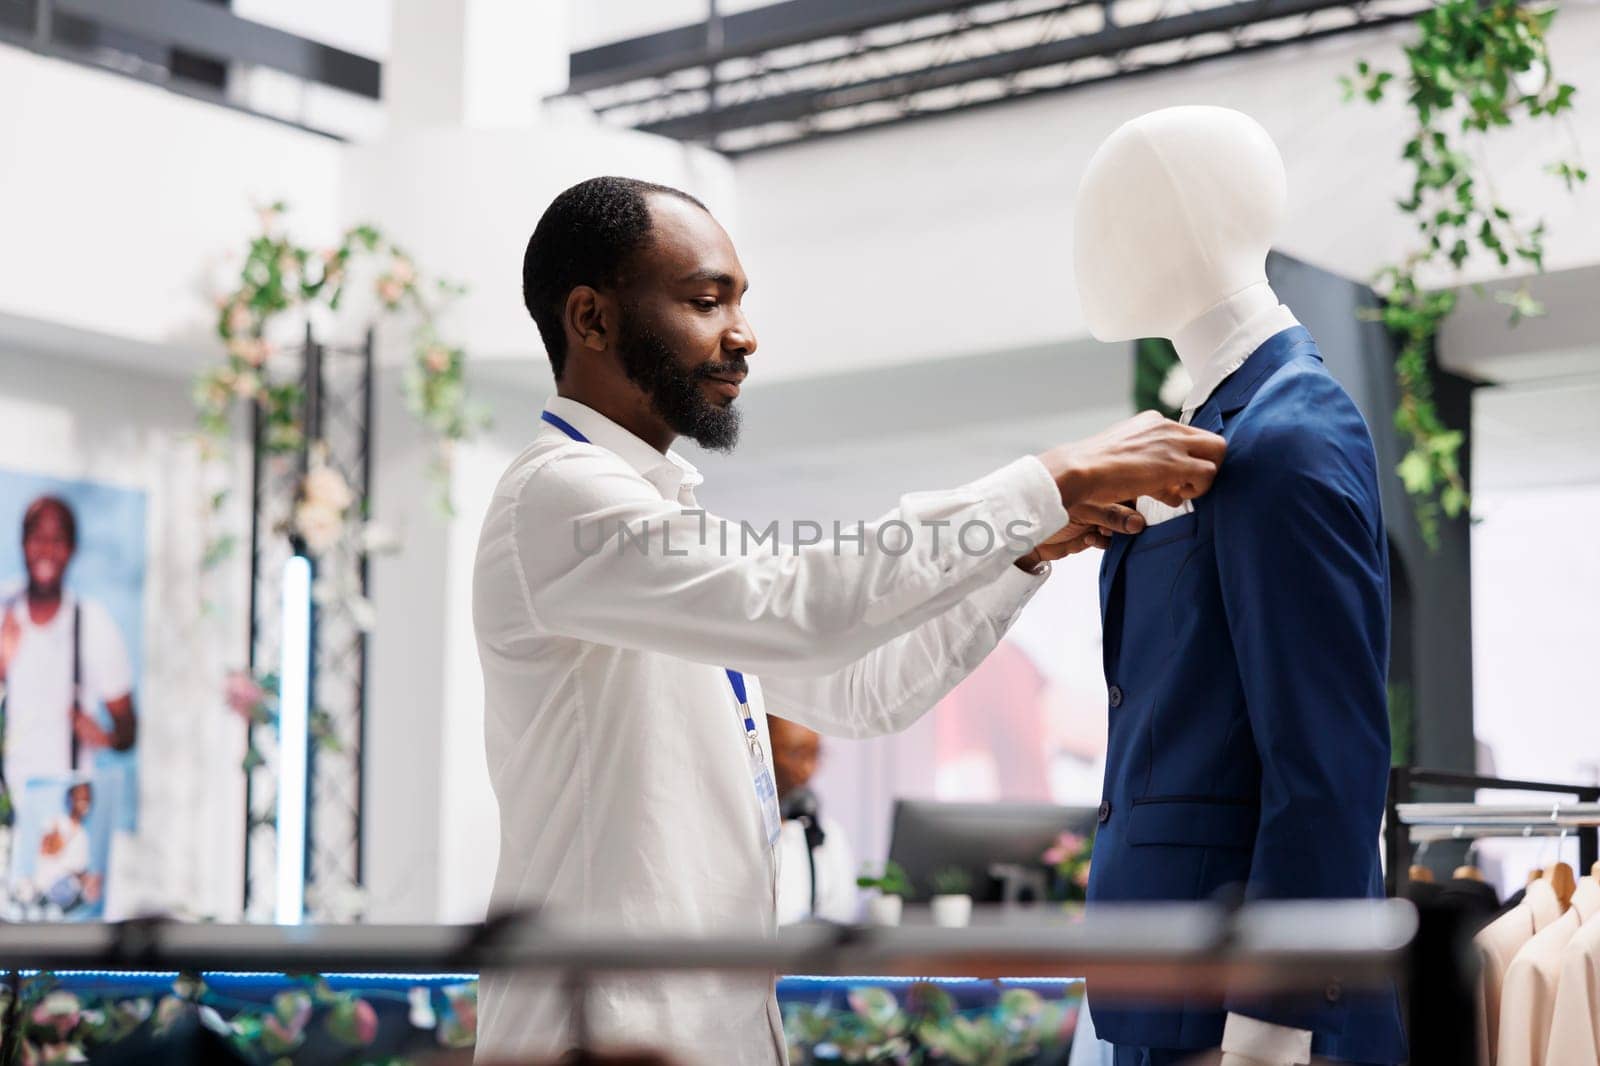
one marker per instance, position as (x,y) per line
(1092,526)
(1146,455)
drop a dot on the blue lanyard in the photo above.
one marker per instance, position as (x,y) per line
(735,678)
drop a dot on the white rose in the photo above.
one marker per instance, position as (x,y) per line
(325,487)
(240,319)
(1175,388)
(402,271)
(318,525)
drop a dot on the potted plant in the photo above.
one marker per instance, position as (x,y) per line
(893,890)
(952,903)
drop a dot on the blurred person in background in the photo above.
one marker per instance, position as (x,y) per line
(816,866)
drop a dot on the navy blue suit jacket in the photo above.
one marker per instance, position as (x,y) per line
(1246,656)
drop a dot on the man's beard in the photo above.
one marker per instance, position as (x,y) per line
(675,393)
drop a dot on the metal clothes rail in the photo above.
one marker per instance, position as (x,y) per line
(1410,822)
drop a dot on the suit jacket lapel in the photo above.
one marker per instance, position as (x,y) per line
(1232,395)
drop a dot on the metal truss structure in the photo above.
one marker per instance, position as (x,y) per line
(337,415)
(802,69)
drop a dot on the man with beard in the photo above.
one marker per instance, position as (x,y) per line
(617,622)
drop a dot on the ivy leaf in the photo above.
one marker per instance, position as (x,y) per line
(1416,473)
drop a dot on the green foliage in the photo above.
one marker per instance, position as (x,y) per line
(1477,66)
(59,1024)
(953,881)
(930,1028)
(1401,709)
(1154,360)
(893,881)
(279,276)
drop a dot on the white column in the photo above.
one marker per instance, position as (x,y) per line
(474,63)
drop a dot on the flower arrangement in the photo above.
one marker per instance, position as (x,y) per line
(873,1027)
(60,1025)
(279,277)
(1068,858)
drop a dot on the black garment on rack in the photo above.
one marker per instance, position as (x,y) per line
(1476,898)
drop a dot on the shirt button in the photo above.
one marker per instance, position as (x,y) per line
(1105,813)
(1115,695)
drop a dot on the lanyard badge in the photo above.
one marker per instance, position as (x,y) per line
(761,777)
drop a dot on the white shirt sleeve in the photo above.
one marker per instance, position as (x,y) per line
(893,685)
(107,672)
(1250,1041)
(603,557)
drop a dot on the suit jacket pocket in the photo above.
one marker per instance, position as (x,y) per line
(1182,528)
(1196,821)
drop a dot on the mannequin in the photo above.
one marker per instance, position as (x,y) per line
(1222,701)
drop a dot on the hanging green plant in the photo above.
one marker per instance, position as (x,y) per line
(1477,66)
(280,276)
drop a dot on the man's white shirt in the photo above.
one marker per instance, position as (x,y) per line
(38,740)
(614,744)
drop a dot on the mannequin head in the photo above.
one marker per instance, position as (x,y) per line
(1176,213)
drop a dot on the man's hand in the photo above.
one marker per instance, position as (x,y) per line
(1091,526)
(1146,455)
(10,640)
(90,735)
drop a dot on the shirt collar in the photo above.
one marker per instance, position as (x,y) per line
(670,473)
(1234,351)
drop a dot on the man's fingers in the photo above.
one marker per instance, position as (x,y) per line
(1111,517)
(1201,443)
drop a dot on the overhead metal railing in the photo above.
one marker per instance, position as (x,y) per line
(188,46)
(809,68)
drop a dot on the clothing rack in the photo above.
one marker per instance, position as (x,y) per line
(1410,822)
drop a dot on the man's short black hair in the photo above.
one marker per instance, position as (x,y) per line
(585,237)
(37,510)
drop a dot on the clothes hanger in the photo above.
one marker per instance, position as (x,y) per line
(1418,872)
(1562,879)
(1468,870)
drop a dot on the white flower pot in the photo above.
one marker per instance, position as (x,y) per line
(952,912)
(884,910)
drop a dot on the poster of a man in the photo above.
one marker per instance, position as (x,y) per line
(61,658)
(72,567)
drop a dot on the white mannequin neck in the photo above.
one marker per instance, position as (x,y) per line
(1209,333)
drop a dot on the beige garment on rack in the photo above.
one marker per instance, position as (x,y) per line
(1499,943)
(1528,998)
(1575,1028)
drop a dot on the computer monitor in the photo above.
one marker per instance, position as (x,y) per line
(930,837)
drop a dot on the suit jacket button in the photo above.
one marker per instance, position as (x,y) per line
(1105,813)
(1333,993)
(1115,695)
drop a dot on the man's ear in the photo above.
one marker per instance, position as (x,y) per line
(591,317)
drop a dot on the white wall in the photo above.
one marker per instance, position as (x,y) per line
(953,235)
(120,202)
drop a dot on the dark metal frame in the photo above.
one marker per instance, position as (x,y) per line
(328,411)
(1404,781)
(200,29)
(731,82)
